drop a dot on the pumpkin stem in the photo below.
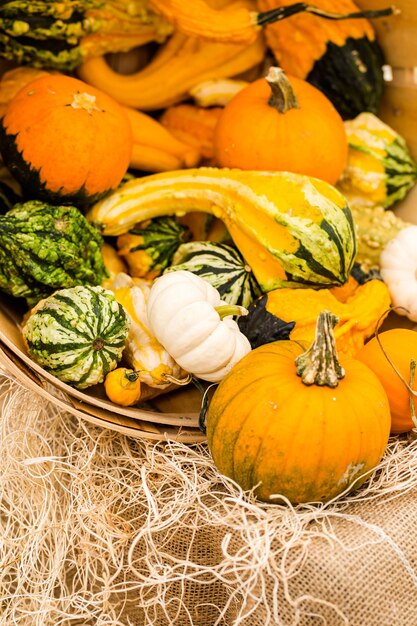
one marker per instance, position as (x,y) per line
(281,13)
(98,344)
(204,403)
(132,376)
(319,364)
(282,97)
(85,101)
(225,310)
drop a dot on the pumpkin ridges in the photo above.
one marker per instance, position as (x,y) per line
(294,455)
(307,406)
(228,386)
(400,345)
(251,130)
(225,416)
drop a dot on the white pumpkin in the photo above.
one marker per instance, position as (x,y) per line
(398,267)
(185,315)
(143,352)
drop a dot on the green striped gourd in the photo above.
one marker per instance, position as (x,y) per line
(291,229)
(77,334)
(148,247)
(222,266)
(380,169)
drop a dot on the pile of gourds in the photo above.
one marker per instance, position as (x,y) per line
(213,216)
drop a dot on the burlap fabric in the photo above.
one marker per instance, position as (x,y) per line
(97,529)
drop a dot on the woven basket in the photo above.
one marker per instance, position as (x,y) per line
(176,413)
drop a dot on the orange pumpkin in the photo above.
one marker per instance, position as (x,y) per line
(123,386)
(299,424)
(400,345)
(64,141)
(282,124)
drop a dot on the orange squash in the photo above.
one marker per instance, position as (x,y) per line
(65,141)
(193,125)
(299,424)
(123,386)
(400,345)
(282,124)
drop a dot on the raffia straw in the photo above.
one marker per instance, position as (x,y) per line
(97,529)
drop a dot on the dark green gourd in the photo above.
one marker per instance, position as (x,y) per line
(149,247)
(222,266)
(61,34)
(77,334)
(44,248)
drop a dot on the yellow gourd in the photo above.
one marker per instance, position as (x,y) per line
(292,230)
(193,125)
(180,64)
(122,386)
(359,311)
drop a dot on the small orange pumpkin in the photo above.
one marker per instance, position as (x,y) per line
(65,141)
(282,124)
(299,424)
(123,386)
(400,345)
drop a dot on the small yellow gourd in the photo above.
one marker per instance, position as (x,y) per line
(143,352)
(113,262)
(123,386)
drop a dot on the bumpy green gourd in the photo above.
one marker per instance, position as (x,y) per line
(77,334)
(222,266)
(375,227)
(44,248)
(61,35)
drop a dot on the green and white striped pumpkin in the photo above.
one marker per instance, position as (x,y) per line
(222,266)
(77,334)
(380,169)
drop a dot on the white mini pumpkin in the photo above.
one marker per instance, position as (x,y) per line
(398,267)
(185,315)
(143,352)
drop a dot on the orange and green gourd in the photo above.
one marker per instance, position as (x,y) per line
(342,58)
(64,141)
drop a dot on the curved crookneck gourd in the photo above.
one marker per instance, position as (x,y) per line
(179,65)
(291,229)
(237,23)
